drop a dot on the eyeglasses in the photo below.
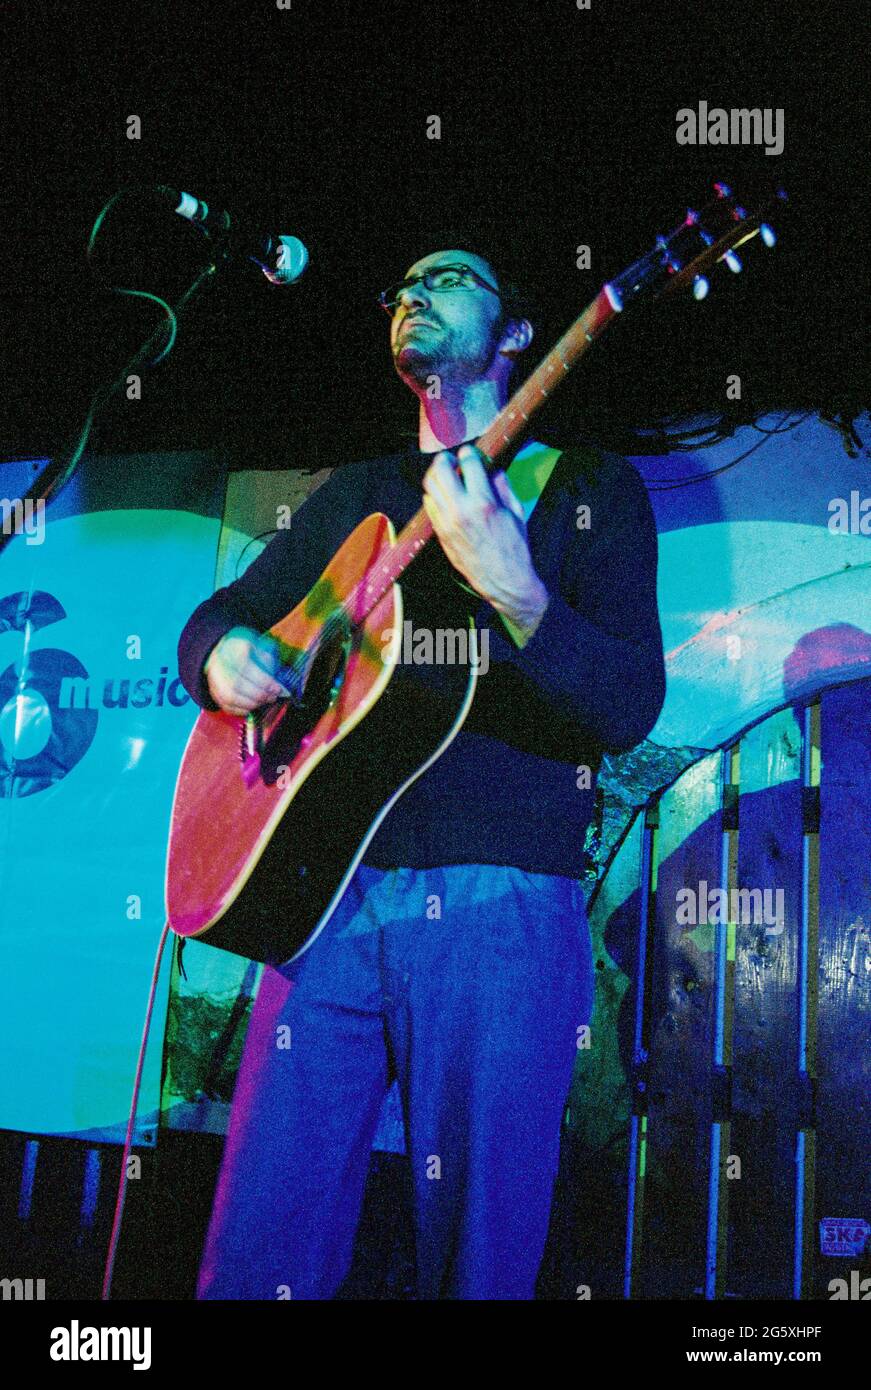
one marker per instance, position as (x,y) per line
(441,277)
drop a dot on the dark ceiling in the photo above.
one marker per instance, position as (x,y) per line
(558,128)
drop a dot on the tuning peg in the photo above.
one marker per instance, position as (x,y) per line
(668,256)
(701,285)
(767,232)
(733,262)
(723,190)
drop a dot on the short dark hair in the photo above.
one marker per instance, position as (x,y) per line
(518,301)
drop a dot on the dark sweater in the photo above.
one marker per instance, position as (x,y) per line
(590,679)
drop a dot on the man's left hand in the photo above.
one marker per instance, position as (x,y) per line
(482,530)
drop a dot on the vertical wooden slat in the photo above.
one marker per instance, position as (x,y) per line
(600,1102)
(29,1159)
(808,1002)
(675,1220)
(765,1107)
(641,1025)
(92,1165)
(721,1060)
(19,1165)
(839,1053)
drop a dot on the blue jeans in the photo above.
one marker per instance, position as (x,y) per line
(468,984)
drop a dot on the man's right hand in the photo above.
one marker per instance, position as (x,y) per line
(239,671)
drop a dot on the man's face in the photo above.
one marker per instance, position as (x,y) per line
(453,334)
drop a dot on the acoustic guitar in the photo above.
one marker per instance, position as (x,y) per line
(273,813)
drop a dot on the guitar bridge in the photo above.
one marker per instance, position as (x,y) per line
(249,749)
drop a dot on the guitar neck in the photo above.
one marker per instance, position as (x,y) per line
(700,242)
(506,430)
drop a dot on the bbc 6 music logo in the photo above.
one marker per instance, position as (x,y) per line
(49,705)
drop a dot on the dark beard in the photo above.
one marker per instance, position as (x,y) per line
(416,364)
(437,359)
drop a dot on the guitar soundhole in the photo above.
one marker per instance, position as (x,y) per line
(321,685)
(326,674)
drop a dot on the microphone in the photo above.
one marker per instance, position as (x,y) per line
(281,258)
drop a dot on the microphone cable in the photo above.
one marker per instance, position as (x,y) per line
(115,1234)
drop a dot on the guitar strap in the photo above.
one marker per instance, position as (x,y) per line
(527,476)
(528,473)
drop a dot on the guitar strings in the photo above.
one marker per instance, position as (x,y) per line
(340,617)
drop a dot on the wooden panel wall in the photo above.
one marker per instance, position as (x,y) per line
(725,1110)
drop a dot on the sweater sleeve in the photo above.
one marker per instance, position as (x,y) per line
(274,583)
(596,657)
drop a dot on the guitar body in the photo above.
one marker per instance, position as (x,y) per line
(261,848)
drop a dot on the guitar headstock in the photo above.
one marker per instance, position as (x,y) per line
(702,241)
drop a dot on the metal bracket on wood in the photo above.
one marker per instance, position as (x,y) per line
(721,1095)
(807,1101)
(640,1085)
(731,792)
(810,810)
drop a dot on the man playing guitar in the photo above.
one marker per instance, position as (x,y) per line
(459,961)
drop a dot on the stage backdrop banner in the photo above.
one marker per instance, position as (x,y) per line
(762,602)
(93,721)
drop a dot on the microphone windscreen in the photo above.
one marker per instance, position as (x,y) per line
(290,261)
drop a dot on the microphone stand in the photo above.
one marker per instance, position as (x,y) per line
(59,472)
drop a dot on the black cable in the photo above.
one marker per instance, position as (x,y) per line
(672,483)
